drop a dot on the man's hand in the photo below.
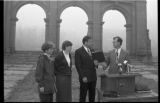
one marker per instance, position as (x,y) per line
(96,62)
(102,65)
(85,79)
(41,89)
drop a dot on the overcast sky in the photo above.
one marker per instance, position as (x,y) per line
(30,29)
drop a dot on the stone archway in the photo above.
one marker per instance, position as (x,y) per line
(127,16)
(14,19)
(30,28)
(73,26)
(71,4)
(134,12)
(114,22)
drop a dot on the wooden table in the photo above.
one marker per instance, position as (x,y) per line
(132,97)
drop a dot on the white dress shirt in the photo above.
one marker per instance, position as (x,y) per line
(87,49)
(67,58)
(119,51)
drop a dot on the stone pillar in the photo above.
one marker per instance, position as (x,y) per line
(129,38)
(46,28)
(97,35)
(141,27)
(149,53)
(101,32)
(58,32)
(12,34)
(6,28)
(97,25)
(97,38)
(90,28)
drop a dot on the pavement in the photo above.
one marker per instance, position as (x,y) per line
(16,72)
(12,75)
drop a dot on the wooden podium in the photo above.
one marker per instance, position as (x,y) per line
(120,83)
(124,85)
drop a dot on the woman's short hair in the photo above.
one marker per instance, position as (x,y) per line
(66,44)
(46,46)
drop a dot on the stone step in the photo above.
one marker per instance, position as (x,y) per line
(13,77)
(20,68)
(9,84)
(13,72)
(6,93)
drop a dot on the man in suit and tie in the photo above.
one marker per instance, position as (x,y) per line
(116,56)
(86,68)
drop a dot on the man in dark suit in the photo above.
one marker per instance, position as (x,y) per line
(117,56)
(85,66)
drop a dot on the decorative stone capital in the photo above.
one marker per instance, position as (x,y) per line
(46,20)
(14,19)
(128,25)
(90,23)
(59,21)
(102,22)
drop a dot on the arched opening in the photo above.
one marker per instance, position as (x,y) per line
(30,28)
(114,22)
(73,26)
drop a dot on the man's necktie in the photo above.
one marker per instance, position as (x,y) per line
(116,55)
(89,52)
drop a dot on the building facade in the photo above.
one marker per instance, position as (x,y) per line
(137,39)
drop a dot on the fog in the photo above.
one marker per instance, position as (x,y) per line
(73,26)
(30,28)
(112,27)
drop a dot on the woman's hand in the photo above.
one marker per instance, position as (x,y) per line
(96,62)
(102,65)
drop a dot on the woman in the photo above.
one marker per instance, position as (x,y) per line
(63,73)
(44,73)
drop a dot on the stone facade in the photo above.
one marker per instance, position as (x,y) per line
(137,39)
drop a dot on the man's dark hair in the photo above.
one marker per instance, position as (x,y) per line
(66,44)
(85,39)
(119,39)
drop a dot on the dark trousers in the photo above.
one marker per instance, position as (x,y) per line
(84,87)
(46,97)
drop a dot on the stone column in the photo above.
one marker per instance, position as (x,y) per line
(12,34)
(141,27)
(90,28)
(149,53)
(129,38)
(46,28)
(58,32)
(101,32)
(6,27)
(97,35)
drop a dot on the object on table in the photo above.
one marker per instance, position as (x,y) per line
(98,55)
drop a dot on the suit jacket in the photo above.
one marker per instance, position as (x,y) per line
(111,61)
(85,65)
(44,74)
(61,65)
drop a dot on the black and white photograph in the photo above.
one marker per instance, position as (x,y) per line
(80,50)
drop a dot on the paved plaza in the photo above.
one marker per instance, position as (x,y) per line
(20,85)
